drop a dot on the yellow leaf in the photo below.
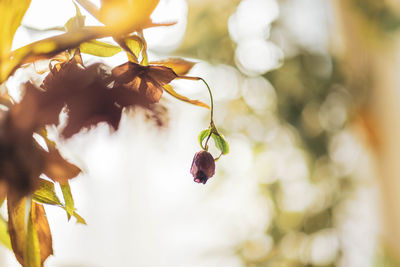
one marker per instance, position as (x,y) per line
(168,88)
(41,226)
(30,237)
(49,47)
(11,14)
(69,201)
(79,219)
(32,253)
(178,65)
(4,236)
(136,46)
(100,49)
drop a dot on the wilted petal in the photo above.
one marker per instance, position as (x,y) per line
(146,80)
(57,168)
(36,109)
(90,106)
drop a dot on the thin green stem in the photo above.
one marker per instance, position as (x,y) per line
(211,100)
(209,91)
(206,143)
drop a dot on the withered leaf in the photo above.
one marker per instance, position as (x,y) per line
(89,106)
(85,93)
(89,97)
(146,80)
(21,162)
(31,243)
(66,75)
(17,227)
(36,109)
(57,168)
(40,227)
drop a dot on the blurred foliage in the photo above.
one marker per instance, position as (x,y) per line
(309,86)
(207,34)
(380,13)
(300,84)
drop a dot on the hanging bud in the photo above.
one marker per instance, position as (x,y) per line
(203,167)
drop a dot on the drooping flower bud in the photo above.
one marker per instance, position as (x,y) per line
(203,167)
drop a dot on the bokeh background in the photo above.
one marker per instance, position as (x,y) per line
(307,94)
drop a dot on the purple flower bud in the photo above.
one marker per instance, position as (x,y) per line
(203,167)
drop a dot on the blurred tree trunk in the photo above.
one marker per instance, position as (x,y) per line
(369,49)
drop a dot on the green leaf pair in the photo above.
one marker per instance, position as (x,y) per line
(218,138)
(46,194)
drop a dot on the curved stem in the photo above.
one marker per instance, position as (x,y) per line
(211,100)
(206,143)
(209,91)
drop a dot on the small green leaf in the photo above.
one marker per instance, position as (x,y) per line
(46,194)
(221,143)
(79,219)
(100,49)
(203,135)
(69,201)
(69,204)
